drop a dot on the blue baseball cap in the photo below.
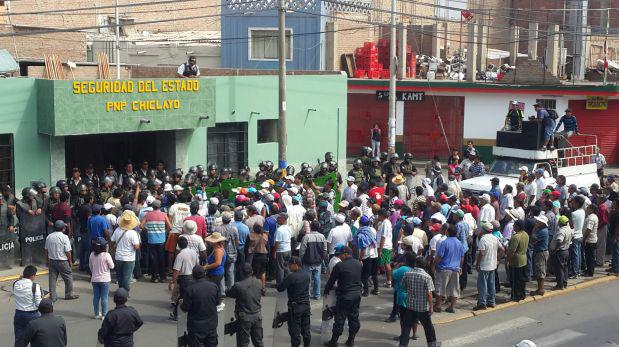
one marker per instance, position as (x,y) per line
(364,220)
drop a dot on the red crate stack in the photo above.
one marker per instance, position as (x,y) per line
(366,60)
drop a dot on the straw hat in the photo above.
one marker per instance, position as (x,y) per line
(398,179)
(215,237)
(128,220)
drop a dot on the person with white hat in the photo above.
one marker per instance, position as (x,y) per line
(489,249)
(340,234)
(427,187)
(350,191)
(539,241)
(127,242)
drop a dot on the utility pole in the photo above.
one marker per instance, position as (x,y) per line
(282,86)
(393,61)
(606,46)
(117,19)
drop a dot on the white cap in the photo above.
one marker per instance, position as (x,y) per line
(167,187)
(107,206)
(426,181)
(485,197)
(340,218)
(177,188)
(265,185)
(524,168)
(290,177)
(294,190)
(214,201)
(150,199)
(350,179)
(526,343)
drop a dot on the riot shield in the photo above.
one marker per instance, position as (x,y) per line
(280,320)
(9,249)
(328,313)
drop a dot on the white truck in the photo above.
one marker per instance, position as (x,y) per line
(577,164)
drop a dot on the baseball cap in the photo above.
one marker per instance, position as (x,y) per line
(564,220)
(364,220)
(350,179)
(341,249)
(150,199)
(59,225)
(178,188)
(459,213)
(156,203)
(167,187)
(340,218)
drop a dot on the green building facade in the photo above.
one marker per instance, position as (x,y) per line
(50,126)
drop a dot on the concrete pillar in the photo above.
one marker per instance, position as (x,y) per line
(552,50)
(579,21)
(471,53)
(401,53)
(436,41)
(514,37)
(482,46)
(532,46)
(331,49)
(58,170)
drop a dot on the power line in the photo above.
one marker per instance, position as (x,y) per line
(151,3)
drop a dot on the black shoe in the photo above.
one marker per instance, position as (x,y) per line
(172,317)
(72,297)
(490,305)
(375,292)
(477,308)
(450,310)
(365,294)
(391,319)
(350,342)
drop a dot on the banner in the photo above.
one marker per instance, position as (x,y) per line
(597,103)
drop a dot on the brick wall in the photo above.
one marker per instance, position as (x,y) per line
(79,73)
(70,46)
(91,17)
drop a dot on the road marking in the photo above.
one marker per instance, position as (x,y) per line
(488,332)
(558,338)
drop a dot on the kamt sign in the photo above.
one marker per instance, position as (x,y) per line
(383,95)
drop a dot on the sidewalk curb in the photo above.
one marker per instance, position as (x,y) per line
(43,271)
(528,299)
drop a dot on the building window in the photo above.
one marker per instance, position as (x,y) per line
(267,130)
(227,145)
(263,44)
(7,169)
(549,104)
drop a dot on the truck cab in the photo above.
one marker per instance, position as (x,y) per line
(517,149)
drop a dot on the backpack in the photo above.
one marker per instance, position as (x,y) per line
(230,249)
(553,114)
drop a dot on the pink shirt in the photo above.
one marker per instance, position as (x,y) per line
(100,266)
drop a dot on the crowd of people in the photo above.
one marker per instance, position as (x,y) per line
(426,235)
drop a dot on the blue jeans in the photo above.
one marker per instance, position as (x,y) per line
(124,270)
(84,251)
(20,322)
(615,252)
(314,270)
(375,148)
(100,292)
(575,257)
(229,275)
(486,291)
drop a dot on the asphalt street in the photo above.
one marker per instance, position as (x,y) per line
(584,317)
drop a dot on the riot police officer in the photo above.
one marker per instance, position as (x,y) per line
(161,171)
(375,172)
(52,200)
(357,171)
(106,189)
(408,169)
(391,169)
(128,173)
(212,179)
(333,168)
(306,170)
(323,170)
(366,157)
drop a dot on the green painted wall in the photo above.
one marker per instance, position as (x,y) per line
(18,116)
(316,114)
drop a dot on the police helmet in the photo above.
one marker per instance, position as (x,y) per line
(212,167)
(192,169)
(395,156)
(328,156)
(54,190)
(366,151)
(384,156)
(28,192)
(61,184)
(290,170)
(177,173)
(357,163)
(408,156)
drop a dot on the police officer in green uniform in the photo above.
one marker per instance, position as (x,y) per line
(212,179)
(366,157)
(375,172)
(323,170)
(391,169)
(408,169)
(333,168)
(357,171)
(106,190)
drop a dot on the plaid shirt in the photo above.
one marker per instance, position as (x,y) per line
(210,223)
(418,284)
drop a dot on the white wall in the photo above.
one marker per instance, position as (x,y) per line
(484,114)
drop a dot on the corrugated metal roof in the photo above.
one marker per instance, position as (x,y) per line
(7,63)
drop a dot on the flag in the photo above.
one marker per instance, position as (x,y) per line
(467,15)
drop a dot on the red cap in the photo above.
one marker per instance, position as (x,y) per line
(443,198)
(435,227)
(556,194)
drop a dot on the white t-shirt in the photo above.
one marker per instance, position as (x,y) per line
(413,241)
(578,220)
(185,261)
(124,248)
(436,240)
(540,185)
(488,244)
(385,230)
(178,212)
(340,235)
(112,221)
(372,251)
(591,223)
(194,242)
(57,245)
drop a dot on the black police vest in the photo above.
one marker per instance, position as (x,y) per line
(188,71)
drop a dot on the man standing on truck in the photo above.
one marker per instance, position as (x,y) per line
(549,126)
(570,124)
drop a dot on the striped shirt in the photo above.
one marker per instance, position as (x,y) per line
(569,124)
(155,226)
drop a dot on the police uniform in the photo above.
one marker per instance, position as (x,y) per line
(376,174)
(358,174)
(390,170)
(407,169)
